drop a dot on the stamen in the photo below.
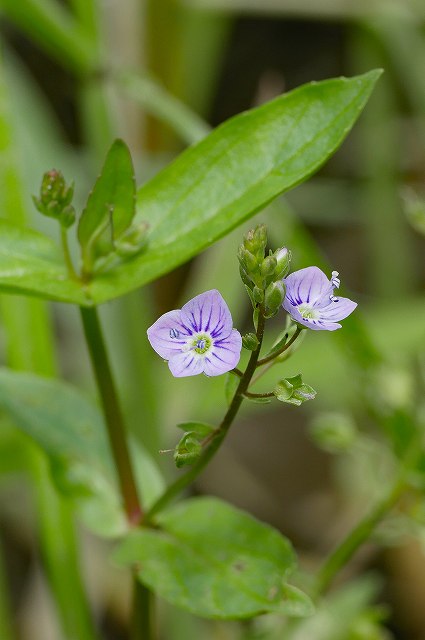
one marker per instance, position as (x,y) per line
(200,344)
(174,333)
(333,298)
(335,281)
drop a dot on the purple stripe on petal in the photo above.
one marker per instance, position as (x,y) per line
(186,364)
(209,312)
(160,334)
(338,310)
(307,285)
(224,355)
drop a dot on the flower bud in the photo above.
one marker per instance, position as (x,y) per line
(273,298)
(268,266)
(258,294)
(255,241)
(283,262)
(250,341)
(55,198)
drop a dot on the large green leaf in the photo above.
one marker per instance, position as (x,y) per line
(217,184)
(215,561)
(70,430)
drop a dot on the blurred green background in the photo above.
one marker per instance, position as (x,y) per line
(159,73)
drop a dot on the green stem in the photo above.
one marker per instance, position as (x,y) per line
(268,394)
(355,539)
(216,438)
(113,414)
(143,620)
(67,255)
(285,347)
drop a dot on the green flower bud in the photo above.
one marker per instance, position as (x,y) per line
(273,298)
(67,216)
(268,266)
(55,198)
(245,277)
(283,262)
(250,341)
(258,294)
(247,260)
(255,241)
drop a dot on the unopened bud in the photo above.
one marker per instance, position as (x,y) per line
(268,266)
(255,241)
(283,262)
(55,198)
(273,298)
(250,341)
(258,294)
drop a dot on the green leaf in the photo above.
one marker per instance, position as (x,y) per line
(31,263)
(188,450)
(235,171)
(70,430)
(110,206)
(202,429)
(210,189)
(235,569)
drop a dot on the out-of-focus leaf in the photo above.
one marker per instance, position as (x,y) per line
(70,429)
(237,568)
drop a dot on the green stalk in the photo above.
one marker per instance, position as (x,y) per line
(216,438)
(29,343)
(143,620)
(112,413)
(355,539)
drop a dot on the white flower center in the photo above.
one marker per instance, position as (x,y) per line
(200,343)
(307,311)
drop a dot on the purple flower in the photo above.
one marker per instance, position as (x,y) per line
(199,338)
(310,299)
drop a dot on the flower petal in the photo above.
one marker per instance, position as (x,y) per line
(335,311)
(186,364)
(161,333)
(208,312)
(224,355)
(307,285)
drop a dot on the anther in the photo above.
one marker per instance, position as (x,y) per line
(174,333)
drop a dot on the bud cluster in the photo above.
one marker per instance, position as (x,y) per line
(263,274)
(55,198)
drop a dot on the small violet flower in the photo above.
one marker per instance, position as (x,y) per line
(199,338)
(311,302)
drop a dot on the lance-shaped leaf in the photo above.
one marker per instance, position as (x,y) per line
(110,206)
(215,561)
(215,185)
(235,171)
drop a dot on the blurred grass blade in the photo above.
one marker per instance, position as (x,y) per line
(158,102)
(29,340)
(54,29)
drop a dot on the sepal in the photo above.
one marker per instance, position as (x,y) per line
(294,391)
